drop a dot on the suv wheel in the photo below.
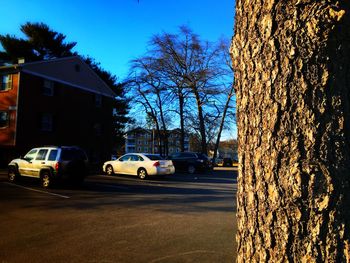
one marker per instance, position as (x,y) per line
(12,174)
(46,179)
(109,170)
(191,169)
(142,173)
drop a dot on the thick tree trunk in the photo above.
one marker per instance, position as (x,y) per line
(291,61)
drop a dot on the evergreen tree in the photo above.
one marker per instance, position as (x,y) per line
(43,43)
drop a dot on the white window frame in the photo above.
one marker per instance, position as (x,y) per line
(7,119)
(6,81)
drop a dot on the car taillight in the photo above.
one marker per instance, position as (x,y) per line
(156,164)
(57,166)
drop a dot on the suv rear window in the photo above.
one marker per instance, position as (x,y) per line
(72,154)
(52,155)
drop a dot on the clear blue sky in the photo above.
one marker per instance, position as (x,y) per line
(117,31)
(114,32)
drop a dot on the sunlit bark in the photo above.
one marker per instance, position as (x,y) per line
(291,61)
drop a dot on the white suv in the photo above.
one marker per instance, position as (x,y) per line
(51,164)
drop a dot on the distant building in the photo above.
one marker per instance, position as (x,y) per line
(54,102)
(146,141)
(228,149)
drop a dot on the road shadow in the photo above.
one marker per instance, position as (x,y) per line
(181,193)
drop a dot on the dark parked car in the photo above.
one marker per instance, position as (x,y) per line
(191,162)
(51,164)
(227,162)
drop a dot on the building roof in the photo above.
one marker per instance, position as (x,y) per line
(72,71)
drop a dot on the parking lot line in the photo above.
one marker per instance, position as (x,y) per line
(36,190)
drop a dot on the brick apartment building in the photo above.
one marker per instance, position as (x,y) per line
(145,141)
(54,102)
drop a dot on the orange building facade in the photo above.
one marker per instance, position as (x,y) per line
(58,102)
(8,108)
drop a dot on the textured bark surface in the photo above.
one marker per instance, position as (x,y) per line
(291,61)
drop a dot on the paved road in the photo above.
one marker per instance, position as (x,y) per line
(182,218)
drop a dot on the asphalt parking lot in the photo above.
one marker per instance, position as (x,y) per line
(180,218)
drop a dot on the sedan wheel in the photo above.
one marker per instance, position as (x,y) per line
(109,170)
(12,175)
(142,173)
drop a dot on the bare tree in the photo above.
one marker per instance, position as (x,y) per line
(191,75)
(228,69)
(190,67)
(152,94)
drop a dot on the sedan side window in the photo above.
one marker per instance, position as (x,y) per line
(30,155)
(125,158)
(134,158)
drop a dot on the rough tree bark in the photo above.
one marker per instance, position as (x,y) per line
(291,61)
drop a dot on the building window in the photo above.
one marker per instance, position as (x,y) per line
(46,122)
(130,149)
(98,100)
(130,141)
(48,87)
(77,67)
(4,119)
(98,129)
(5,82)
(139,149)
